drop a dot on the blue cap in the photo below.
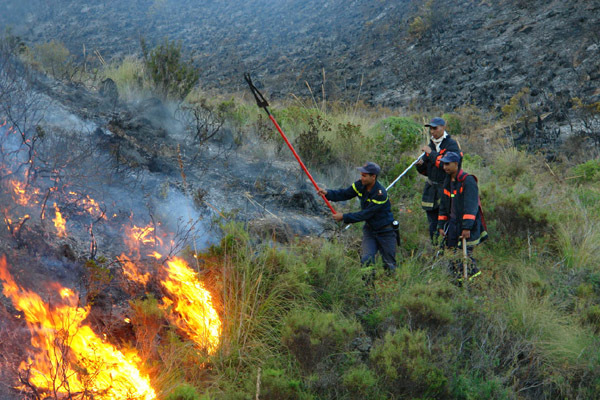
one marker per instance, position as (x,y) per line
(370,168)
(435,122)
(451,157)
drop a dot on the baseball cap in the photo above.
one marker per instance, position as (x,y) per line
(437,121)
(370,168)
(450,157)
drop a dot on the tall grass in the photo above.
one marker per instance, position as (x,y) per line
(129,75)
(577,238)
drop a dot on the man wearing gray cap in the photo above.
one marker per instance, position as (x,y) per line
(431,166)
(375,210)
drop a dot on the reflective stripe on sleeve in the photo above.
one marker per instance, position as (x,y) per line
(469,216)
(378,201)
(356,190)
(442,217)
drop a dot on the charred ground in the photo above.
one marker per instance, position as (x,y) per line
(439,53)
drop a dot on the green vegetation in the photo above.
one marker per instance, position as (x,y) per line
(300,321)
(172,76)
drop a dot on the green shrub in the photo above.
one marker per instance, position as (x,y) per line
(184,392)
(335,277)
(476,387)
(589,197)
(312,336)
(516,215)
(55,59)
(472,161)
(392,137)
(372,320)
(294,116)
(589,171)
(453,124)
(424,305)
(313,148)
(512,164)
(592,317)
(418,27)
(275,385)
(361,383)
(348,142)
(236,114)
(405,365)
(172,76)
(518,108)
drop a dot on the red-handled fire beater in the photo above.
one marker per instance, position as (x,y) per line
(262,103)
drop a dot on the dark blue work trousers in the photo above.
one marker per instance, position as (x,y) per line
(383,241)
(432,219)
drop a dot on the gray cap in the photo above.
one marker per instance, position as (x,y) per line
(370,168)
(435,122)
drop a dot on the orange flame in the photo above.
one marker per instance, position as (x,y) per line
(197,316)
(131,271)
(70,357)
(90,205)
(137,236)
(59,223)
(21,196)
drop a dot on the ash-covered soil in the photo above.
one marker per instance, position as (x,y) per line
(472,52)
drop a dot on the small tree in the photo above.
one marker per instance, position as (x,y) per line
(172,76)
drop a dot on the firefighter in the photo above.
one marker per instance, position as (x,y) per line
(376,210)
(431,166)
(460,214)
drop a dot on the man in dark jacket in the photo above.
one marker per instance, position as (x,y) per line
(460,213)
(375,210)
(431,166)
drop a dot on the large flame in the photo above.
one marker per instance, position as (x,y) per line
(197,316)
(71,360)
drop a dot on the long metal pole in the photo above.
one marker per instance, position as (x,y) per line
(403,173)
(299,160)
(262,103)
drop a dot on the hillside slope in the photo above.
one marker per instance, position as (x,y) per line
(462,52)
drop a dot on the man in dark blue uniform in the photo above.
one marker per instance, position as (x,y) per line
(431,166)
(375,210)
(460,213)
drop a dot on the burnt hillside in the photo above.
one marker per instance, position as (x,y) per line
(457,52)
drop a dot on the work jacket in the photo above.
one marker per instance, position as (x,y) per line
(375,206)
(467,206)
(433,169)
